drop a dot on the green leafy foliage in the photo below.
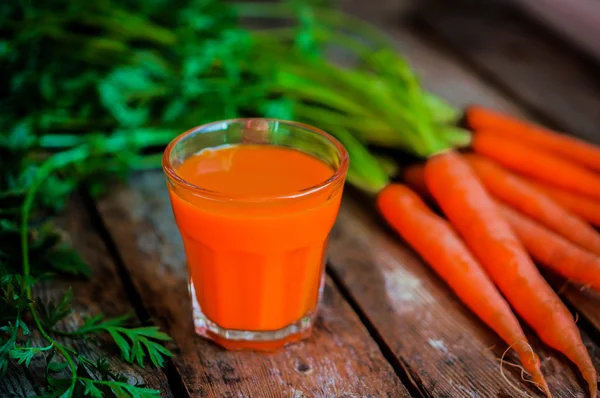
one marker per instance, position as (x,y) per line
(95,89)
(135,343)
(106,381)
(24,354)
(119,389)
(51,313)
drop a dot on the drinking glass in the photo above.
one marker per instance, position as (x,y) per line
(255,264)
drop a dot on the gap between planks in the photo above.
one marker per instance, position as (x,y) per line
(133,296)
(414,388)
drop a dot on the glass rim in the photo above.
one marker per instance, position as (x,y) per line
(216,195)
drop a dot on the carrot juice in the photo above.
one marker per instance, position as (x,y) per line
(254,213)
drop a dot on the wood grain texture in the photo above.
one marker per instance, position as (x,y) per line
(444,348)
(438,69)
(533,66)
(340,359)
(16,384)
(104,293)
(586,302)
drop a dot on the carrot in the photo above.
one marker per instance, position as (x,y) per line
(545,246)
(519,194)
(537,164)
(554,251)
(584,207)
(435,240)
(574,149)
(477,219)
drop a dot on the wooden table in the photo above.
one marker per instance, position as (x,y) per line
(388,326)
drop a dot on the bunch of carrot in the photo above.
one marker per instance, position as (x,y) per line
(522,193)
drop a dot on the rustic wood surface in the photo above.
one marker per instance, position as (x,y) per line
(511,50)
(388,326)
(339,359)
(16,383)
(104,293)
(586,302)
(444,348)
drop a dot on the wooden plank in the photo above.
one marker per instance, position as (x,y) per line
(586,302)
(438,71)
(535,67)
(16,384)
(339,359)
(444,75)
(445,349)
(104,293)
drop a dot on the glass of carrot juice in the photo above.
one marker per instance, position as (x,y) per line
(254,201)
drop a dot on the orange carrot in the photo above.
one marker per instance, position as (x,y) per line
(545,246)
(537,164)
(574,149)
(553,251)
(584,207)
(478,220)
(435,240)
(519,194)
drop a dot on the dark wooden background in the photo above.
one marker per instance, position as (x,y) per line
(388,326)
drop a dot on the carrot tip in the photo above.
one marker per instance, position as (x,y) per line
(533,370)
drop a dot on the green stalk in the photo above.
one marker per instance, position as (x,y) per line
(139,138)
(142,137)
(53,163)
(401,124)
(441,111)
(456,137)
(62,349)
(334,18)
(321,35)
(136,28)
(299,87)
(402,108)
(57,141)
(365,171)
(367,128)
(398,100)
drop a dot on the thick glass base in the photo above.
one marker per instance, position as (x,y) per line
(253,340)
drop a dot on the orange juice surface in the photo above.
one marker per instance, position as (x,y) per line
(255,261)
